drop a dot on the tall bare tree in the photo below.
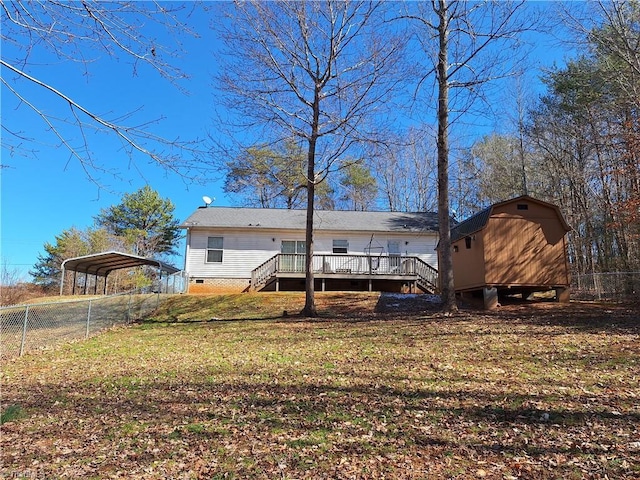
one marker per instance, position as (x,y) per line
(467,45)
(314,71)
(36,35)
(406,170)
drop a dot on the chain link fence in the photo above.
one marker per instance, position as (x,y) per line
(614,286)
(26,328)
(174,283)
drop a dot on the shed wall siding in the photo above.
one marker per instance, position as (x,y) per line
(518,253)
(469,263)
(244,251)
(517,247)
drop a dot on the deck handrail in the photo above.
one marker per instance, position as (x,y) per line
(427,274)
(261,274)
(346,264)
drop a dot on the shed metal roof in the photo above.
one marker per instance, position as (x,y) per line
(471,224)
(324,220)
(479,220)
(101,264)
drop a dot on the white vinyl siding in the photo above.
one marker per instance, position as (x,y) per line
(246,249)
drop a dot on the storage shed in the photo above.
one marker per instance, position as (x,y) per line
(514,247)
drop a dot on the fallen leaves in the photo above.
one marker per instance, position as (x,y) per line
(501,395)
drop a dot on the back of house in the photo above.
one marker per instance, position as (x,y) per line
(228,247)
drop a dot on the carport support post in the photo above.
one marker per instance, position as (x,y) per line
(62,279)
(490,296)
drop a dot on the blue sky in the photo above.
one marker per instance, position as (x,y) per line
(43,195)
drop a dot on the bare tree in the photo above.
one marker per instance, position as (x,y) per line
(78,33)
(406,169)
(468,45)
(314,71)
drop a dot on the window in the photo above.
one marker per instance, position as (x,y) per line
(340,246)
(293,255)
(522,206)
(467,242)
(214,249)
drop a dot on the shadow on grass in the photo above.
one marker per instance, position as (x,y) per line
(584,316)
(211,410)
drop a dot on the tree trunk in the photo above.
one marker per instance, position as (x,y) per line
(445,265)
(309,309)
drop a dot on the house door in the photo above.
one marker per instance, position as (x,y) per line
(293,256)
(394,255)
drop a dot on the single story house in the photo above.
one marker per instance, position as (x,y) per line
(232,249)
(513,247)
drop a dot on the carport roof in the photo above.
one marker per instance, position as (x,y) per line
(101,264)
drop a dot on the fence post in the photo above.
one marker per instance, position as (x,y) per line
(129,309)
(24,330)
(86,333)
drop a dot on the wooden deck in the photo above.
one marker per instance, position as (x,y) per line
(347,272)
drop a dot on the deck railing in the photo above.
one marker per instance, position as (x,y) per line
(346,265)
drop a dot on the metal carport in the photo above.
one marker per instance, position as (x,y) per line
(101,264)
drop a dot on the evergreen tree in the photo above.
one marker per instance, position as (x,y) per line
(71,243)
(359,188)
(145,221)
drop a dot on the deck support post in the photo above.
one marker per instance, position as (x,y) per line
(323,284)
(277,284)
(490,296)
(563,295)
(370,285)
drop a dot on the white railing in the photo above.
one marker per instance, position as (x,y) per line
(346,265)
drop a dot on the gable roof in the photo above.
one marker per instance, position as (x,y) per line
(479,220)
(324,220)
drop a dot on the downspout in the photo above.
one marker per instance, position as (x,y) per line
(185,274)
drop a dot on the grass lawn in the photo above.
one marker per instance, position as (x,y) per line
(376,388)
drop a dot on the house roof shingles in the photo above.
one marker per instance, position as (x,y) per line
(328,220)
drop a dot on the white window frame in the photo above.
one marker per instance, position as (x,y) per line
(213,249)
(340,246)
